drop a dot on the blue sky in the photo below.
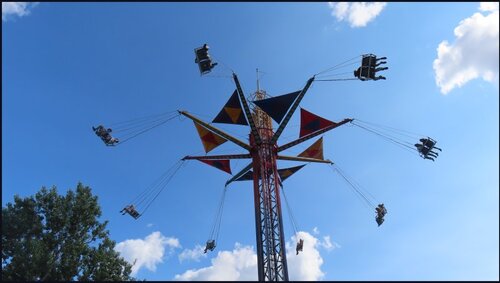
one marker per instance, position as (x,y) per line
(69,66)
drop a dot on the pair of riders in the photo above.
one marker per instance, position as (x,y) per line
(381,212)
(130,209)
(203,59)
(105,135)
(369,68)
(426,147)
(365,73)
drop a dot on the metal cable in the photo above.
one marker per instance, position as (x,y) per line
(169,179)
(291,216)
(149,129)
(338,65)
(337,169)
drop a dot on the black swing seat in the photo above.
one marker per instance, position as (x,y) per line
(203,60)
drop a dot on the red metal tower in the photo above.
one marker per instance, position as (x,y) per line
(271,254)
(263,151)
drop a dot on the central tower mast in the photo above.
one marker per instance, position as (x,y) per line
(271,253)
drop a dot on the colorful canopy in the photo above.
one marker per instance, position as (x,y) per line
(287,172)
(209,139)
(278,106)
(310,123)
(314,151)
(283,173)
(232,113)
(222,164)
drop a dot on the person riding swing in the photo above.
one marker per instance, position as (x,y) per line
(210,246)
(381,212)
(300,246)
(105,135)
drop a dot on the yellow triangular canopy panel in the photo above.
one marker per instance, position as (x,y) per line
(233,113)
(209,139)
(314,151)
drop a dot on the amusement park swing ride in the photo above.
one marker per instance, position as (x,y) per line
(263,152)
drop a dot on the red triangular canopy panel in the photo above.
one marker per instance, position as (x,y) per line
(222,164)
(310,123)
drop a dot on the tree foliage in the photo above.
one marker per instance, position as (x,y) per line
(58,238)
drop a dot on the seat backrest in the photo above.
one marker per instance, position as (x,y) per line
(202,53)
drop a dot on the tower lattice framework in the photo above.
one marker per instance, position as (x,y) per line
(271,253)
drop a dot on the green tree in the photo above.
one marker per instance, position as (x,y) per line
(54,237)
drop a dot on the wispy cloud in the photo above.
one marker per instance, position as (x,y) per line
(240,264)
(192,254)
(358,14)
(147,252)
(315,231)
(474,53)
(19,9)
(327,244)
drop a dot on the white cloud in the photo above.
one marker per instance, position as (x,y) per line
(16,9)
(192,254)
(148,252)
(474,53)
(488,6)
(240,264)
(358,14)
